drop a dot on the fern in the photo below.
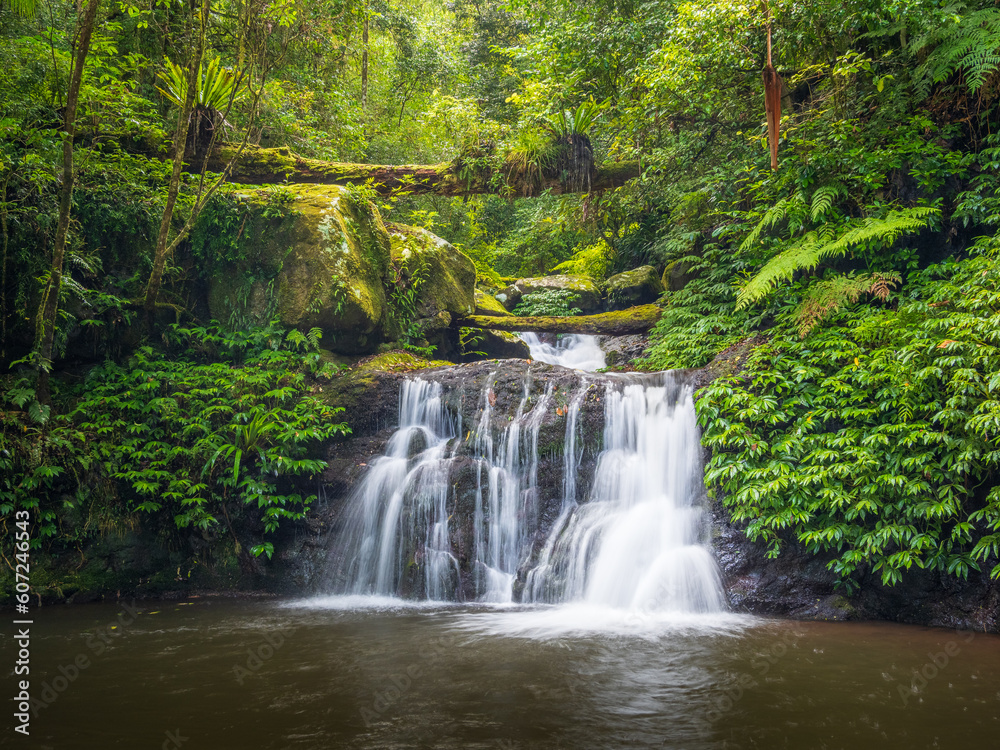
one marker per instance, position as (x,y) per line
(969,43)
(822,200)
(824,243)
(828,296)
(774,214)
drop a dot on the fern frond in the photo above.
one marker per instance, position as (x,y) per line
(822,200)
(826,297)
(969,42)
(773,215)
(824,243)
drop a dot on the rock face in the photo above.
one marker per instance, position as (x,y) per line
(798,585)
(446,279)
(636,287)
(331,263)
(587,292)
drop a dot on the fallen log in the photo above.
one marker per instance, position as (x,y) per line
(260,166)
(620,323)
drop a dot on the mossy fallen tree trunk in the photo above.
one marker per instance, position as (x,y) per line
(260,166)
(621,323)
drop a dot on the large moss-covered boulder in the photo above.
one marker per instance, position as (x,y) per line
(487,304)
(586,292)
(444,278)
(322,263)
(639,286)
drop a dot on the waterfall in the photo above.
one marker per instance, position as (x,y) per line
(634,538)
(640,542)
(574,350)
(399,509)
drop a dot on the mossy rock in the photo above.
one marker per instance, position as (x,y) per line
(587,293)
(639,286)
(503,345)
(447,277)
(324,264)
(677,275)
(487,304)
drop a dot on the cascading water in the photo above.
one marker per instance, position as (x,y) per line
(635,539)
(574,350)
(640,541)
(402,500)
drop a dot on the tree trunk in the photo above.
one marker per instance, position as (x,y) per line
(364,61)
(45,324)
(621,323)
(262,166)
(161,253)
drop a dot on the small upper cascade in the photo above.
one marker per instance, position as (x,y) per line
(574,350)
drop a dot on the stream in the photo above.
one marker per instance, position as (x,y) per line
(377,673)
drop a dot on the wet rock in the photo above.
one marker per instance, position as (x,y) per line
(639,286)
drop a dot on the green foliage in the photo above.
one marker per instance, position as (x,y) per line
(830,242)
(549,302)
(824,298)
(215,86)
(968,40)
(589,260)
(218,427)
(702,319)
(569,122)
(874,438)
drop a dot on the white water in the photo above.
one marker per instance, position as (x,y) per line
(636,543)
(640,542)
(576,351)
(403,498)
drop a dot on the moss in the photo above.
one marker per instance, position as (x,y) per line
(447,277)
(487,304)
(321,261)
(638,286)
(620,323)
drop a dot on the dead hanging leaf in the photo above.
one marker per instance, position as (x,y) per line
(772,102)
(492,397)
(944,344)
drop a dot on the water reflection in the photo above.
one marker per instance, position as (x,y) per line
(324,674)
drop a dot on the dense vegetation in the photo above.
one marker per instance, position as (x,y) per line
(858,278)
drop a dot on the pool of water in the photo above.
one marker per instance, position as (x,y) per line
(363,673)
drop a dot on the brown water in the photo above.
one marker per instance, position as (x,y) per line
(223,674)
